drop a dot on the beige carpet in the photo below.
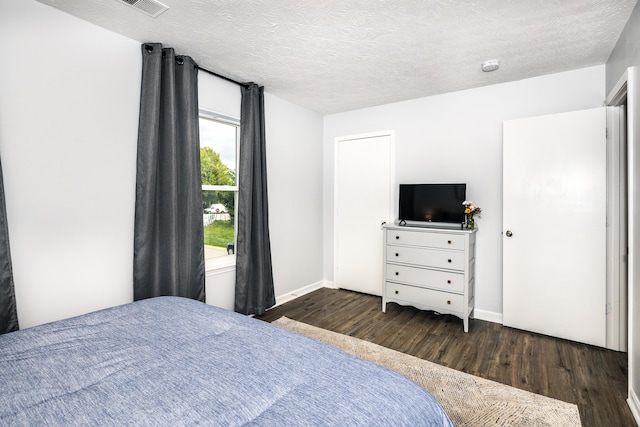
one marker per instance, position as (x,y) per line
(469,400)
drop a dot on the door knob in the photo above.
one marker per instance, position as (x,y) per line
(509,233)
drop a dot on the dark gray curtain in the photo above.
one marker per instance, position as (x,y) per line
(8,311)
(168,236)
(254,279)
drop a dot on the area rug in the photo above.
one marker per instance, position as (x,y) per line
(469,400)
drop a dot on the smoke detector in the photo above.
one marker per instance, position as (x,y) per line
(490,65)
(152,8)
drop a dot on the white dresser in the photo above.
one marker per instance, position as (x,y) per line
(430,269)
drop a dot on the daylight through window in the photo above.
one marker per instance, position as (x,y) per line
(218,159)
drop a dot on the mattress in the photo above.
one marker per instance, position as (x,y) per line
(176,361)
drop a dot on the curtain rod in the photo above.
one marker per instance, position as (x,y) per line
(221,76)
(149,48)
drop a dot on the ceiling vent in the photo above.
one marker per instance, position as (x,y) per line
(152,8)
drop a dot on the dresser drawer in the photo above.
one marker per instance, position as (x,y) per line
(424,278)
(433,240)
(452,260)
(436,300)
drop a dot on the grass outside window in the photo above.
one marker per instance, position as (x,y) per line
(220,233)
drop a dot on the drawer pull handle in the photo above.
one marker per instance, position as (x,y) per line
(396,292)
(397,237)
(396,253)
(449,281)
(449,241)
(397,274)
(448,301)
(448,260)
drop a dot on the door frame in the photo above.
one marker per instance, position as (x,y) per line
(337,141)
(618,165)
(617,225)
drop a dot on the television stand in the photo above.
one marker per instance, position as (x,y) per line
(430,269)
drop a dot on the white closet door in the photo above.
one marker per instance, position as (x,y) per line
(554,219)
(363,201)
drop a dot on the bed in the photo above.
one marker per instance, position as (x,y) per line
(175,361)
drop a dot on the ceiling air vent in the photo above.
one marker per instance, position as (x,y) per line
(152,8)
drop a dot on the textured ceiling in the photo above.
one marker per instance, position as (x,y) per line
(332,56)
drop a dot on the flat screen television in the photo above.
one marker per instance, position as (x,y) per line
(432,204)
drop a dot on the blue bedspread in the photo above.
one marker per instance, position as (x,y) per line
(174,361)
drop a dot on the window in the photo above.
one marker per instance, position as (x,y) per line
(219,137)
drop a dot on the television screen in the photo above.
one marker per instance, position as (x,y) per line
(433,203)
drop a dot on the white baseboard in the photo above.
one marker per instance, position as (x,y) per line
(634,405)
(489,316)
(290,296)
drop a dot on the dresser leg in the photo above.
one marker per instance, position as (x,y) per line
(466,324)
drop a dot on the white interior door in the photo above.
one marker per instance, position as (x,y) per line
(363,201)
(554,219)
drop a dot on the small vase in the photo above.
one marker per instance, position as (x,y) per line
(469,222)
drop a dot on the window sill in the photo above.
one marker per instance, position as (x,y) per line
(220,263)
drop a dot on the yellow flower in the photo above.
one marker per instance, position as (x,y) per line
(467,211)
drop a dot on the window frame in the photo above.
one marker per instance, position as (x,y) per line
(227,261)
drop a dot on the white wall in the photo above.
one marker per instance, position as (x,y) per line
(69,99)
(626,54)
(633,133)
(294,163)
(457,137)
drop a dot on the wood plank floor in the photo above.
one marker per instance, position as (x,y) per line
(593,378)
